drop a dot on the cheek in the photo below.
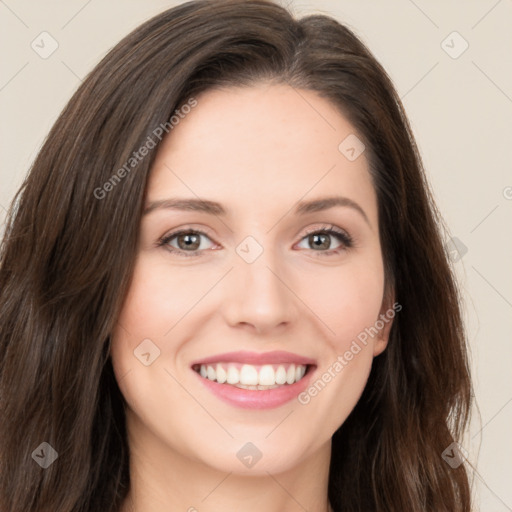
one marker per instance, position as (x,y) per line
(349,305)
(159,298)
(347,301)
(156,303)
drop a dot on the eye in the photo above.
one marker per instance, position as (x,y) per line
(321,240)
(185,241)
(189,242)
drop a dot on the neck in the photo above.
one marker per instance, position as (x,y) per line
(162,479)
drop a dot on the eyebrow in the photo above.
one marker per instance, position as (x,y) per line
(214,208)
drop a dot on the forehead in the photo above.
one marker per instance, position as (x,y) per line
(264,145)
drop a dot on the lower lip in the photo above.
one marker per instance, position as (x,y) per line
(257,399)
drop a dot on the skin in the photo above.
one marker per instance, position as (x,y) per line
(257,151)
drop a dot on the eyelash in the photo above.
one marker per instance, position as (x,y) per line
(342,236)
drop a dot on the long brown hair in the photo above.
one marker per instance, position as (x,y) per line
(68,254)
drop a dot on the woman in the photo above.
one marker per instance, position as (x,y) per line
(223,284)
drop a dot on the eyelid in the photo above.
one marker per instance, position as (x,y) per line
(326,227)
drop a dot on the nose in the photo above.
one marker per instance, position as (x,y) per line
(258,295)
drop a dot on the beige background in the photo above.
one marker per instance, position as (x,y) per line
(460,109)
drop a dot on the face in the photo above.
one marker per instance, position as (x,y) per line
(262,283)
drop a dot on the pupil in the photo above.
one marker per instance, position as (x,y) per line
(320,241)
(190,241)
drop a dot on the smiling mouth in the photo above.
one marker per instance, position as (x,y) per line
(253,377)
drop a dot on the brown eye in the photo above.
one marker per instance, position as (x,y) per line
(320,241)
(186,242)
(189,241)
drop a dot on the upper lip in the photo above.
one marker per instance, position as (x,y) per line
(256,358)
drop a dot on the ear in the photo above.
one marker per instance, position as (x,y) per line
(384,322)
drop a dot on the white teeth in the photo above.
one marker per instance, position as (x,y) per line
(267,376)
(221,374)
(290,374)
(248,376)
(211,373)
(281,375)
(233,375)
